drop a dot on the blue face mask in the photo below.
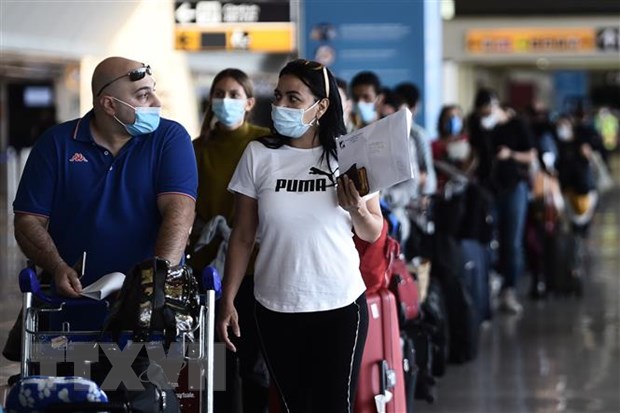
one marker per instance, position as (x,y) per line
(454,125)
(290,121)
(366,111)
(147,119)
(229,112)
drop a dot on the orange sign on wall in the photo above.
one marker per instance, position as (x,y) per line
(530,40)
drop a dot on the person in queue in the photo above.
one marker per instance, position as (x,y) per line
(452,144)
(575,172)
(506,149)
(367,96)
(118,183)
(224,134)
(410,95)
(310,309)
(347,105)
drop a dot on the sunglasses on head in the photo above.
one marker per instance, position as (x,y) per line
(316,66)
(134,75)
(310,63)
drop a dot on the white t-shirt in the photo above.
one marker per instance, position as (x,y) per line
(307,260)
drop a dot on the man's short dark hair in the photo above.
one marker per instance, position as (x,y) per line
(484,97)
(392,98)
(408,92)
(367,78)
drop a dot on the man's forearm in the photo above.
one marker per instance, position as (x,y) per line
(35,242)
(177,219)
(525,157)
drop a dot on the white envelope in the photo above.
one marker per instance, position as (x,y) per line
(104,286)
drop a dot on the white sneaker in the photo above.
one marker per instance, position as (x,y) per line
(508,302)
(495,284)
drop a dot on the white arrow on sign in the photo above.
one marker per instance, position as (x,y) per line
(185,13)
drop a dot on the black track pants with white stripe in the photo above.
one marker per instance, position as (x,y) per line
(314,357)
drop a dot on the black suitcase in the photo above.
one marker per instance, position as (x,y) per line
(430,336)
(563,262)
(410,369)
(463,321)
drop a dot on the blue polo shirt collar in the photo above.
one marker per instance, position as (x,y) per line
(82,129)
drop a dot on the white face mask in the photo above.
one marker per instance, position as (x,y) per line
(289,122)
(458,150)
(548,159)
(565,133)
(488,122)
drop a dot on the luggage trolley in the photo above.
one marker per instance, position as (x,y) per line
(61,340)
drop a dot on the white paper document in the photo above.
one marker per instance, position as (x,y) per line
(381,148)
(104,286)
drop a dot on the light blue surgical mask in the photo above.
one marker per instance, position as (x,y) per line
(147,119)
(366,111)
(454,125)
(290,121)
(229,112)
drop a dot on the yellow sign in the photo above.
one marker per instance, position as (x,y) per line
(526,40)
(271,38)
(187,40)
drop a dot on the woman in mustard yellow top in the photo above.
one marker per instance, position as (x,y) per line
(224,134)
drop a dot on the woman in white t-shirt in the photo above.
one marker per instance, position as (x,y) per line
(310,305)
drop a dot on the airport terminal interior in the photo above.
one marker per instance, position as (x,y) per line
(561,352)
(560,355)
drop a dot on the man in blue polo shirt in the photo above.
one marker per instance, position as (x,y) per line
(119,184)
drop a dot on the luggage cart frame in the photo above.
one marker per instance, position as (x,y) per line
(31,289)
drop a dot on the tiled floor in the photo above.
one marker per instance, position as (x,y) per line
(561,355)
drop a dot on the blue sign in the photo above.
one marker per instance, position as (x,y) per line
(356,36)
(398,40)
(571,90)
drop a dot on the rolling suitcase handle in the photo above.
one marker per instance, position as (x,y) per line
(387,380)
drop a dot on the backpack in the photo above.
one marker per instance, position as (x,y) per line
(156,298)
(478,222)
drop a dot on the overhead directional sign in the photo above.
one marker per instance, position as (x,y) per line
(214,12)
(259,25)
(185,13)
(274,38)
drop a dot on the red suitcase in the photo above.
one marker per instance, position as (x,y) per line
(381,379)
(404,285)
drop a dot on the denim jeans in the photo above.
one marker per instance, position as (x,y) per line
(476,275)
(511,214)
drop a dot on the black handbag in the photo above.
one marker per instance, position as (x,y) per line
(156,298)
